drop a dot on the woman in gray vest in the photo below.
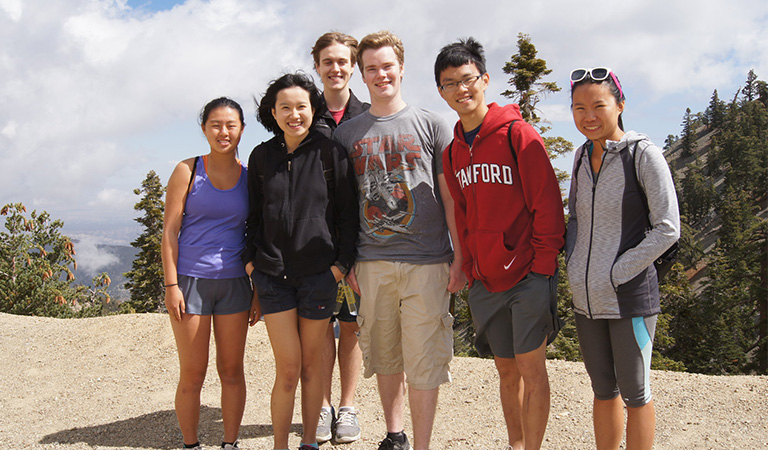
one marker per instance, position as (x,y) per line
(623,216)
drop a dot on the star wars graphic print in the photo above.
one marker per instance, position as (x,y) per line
(388,206)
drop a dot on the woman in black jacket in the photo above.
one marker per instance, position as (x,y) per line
(301,235)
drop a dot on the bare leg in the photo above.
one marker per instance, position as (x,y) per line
(608,420)
(192,335)
(350,360)
(511,394)
(533,369)
(641,427)
(230,332)
(392,394)
(312,334)
(283,330)
(423,404)
(329,359)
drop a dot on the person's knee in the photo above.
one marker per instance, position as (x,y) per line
(288,375)
(231,374)
(507,369)
(533,365)
(191,380)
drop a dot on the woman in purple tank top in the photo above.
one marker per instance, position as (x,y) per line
(206,286)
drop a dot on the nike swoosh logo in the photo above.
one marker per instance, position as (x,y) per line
(507,266)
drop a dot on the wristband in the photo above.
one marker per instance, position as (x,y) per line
(169,285)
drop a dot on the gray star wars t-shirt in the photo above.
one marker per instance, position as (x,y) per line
(397,159)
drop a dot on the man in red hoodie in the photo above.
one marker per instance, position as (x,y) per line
(509,216)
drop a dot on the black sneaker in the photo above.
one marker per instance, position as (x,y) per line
(391,444)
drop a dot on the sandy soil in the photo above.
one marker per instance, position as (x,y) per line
(108,383)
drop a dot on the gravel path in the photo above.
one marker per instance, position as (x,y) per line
(108,383)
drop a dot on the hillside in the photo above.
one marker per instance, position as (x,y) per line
(108,383)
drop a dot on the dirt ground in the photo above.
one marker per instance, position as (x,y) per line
(108,383)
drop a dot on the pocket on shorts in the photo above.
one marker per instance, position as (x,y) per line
(262,283)
(447,320)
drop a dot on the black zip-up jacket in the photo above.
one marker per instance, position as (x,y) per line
(325,123)
(294,229)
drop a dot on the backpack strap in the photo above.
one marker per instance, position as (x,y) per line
(509,139)
(189,185)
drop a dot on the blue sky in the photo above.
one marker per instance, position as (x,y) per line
(96,93)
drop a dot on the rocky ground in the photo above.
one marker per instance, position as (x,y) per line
(108,383)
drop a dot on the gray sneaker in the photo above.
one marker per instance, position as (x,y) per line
(347,426)
(324,425)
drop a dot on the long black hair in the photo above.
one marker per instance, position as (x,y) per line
(289,80)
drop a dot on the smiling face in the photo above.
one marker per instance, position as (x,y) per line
(293,113)
(382,73)
(468,102)
(223,129)
(596,112)
(335,66)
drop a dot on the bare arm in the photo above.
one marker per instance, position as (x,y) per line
(175,197)
(458,278)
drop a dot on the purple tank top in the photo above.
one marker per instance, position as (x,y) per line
(212,234)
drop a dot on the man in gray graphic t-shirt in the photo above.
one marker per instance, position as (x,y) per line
(406,268)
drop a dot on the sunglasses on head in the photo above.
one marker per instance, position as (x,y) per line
(597,74)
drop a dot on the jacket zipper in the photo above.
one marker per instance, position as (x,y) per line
(474,201)
(592,227)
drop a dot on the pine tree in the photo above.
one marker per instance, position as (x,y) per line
(750,87)
(697,193)
(527,90)
(715,113)
(36,264)
(688,137)
(145,279)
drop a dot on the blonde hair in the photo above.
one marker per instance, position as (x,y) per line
(383,38)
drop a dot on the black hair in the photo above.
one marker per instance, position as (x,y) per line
(221,102)
(459,53)
(267,104)
(618,94)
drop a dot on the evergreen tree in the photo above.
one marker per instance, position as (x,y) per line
(669,142)
(36,264)
(526,70)
(526,89)
(697,193)
(715,113)
(750,87)
(145,279)
(688,137)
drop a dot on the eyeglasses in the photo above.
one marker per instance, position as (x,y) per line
(466,82)
(597,74)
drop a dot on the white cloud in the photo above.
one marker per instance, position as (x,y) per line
(95,94)
(13,8)
(90,257)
